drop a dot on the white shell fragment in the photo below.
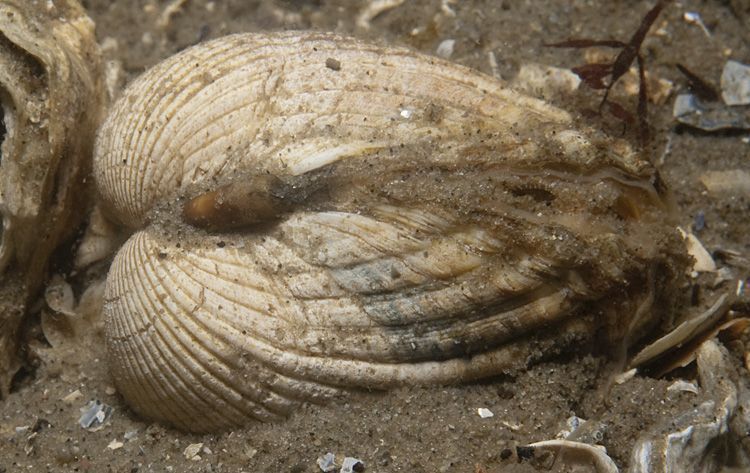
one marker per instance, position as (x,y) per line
(484,413)
(327,462)
(99,242)
(545,81)
(351,464)
(580,453)
(445,48)
(684,332)
(735,83)
(94,415)
(703,261)
(373,9)
(115,445)
(683,386)
(298,235)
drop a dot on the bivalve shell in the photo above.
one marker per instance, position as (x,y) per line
(305,229)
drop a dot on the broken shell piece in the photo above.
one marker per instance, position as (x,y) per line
(730,330)
(683,386)
(685,332)
(373,9)
(327,462)
(73,397)
(52,99)
(703,260)
(625,376)
(545,81)
(115,444)
(445,48)
(191,451)
(572,423)
(579,453)
(94,415)
(690,110)
(691,441)
(352,465)
(733,182)
(100,241)
(735,83)
(66,324)
(59,296)
(591,431)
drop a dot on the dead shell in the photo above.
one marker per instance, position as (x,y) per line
(52,101)
(395,219)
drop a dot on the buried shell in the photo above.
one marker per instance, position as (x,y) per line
(397,219)
(51,101)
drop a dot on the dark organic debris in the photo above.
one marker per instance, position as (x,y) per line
(524,453)
(333,64)
(700,87)
(594,75)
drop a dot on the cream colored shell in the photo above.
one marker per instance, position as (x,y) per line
(424,224)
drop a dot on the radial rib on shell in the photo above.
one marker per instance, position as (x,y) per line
(395,219)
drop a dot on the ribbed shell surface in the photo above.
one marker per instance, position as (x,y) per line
(460,229)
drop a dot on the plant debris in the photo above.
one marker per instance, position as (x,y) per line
(593,75)
(700,87)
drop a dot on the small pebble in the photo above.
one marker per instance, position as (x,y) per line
(333,64)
